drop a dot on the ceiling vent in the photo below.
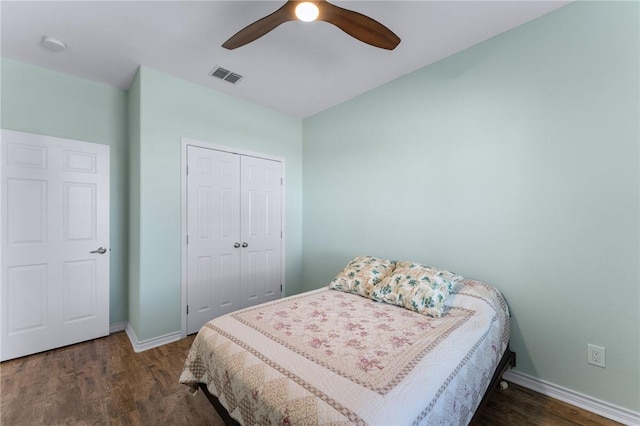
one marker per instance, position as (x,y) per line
(225,75)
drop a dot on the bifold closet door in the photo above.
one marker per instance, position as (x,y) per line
(213,249)
(234,229)
(261,229)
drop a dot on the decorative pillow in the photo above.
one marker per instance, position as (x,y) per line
(362,274)
(417,287)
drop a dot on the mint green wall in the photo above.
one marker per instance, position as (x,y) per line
(171,108)
(36,100)
(515,162)
(134,203)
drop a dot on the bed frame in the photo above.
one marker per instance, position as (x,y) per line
(507,360)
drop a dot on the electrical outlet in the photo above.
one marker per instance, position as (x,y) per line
(596,355)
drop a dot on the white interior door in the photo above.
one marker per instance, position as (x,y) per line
(213,229)
(55,239)
(261,227)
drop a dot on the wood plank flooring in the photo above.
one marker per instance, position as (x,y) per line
(103,382)
(524,407)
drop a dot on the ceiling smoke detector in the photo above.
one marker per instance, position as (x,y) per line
(53,44)
(225,75)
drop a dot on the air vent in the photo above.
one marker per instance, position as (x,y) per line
(225,75)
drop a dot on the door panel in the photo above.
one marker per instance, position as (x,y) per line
(27,290)
(79,211)
(24,155)
(213,263)
(83,162)
(27,211)
(55,211)
(272,273)
(261,226)
(250,277)
(80,290)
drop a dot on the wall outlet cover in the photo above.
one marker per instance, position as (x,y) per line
(596,355)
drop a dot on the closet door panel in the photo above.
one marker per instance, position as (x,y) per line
(261,227)
(213,228)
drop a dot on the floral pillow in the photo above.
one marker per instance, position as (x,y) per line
(417,287)
(362,274)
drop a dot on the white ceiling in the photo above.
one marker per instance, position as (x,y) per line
(299,68)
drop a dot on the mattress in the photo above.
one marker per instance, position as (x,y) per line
(326,358)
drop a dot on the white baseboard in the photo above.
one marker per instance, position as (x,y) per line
(119,326)
(605,409)
(140,346)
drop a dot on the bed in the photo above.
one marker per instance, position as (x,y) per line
(330,357)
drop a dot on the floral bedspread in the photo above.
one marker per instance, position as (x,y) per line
(328,357)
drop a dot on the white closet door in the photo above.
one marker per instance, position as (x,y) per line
(261,226)
(55,239)
(213,250)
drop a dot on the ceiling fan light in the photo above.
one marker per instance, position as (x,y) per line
(307,11)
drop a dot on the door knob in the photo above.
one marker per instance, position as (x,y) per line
(236,245)
(244,244)
(100,250)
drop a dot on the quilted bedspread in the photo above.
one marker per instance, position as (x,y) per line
(326,358)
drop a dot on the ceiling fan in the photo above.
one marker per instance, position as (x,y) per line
(353,23)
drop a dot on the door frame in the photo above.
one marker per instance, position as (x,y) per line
(186,142)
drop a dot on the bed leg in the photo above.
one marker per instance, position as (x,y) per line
(503,384)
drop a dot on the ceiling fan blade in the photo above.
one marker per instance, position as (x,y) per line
(359,26)
(261,27)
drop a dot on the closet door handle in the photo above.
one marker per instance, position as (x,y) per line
(244,244)
(236,245)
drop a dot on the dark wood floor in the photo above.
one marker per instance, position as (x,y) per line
(523,407)
(104,382)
